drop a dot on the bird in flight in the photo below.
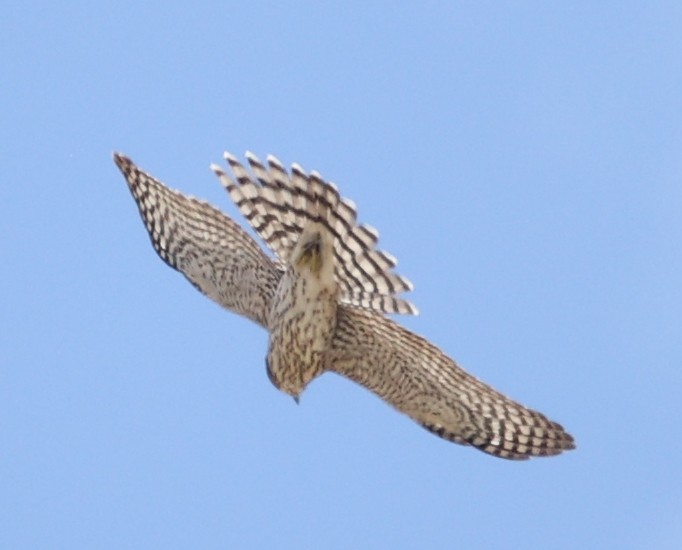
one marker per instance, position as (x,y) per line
(324,300)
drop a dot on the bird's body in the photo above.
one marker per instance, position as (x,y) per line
(324,300)
(303,317)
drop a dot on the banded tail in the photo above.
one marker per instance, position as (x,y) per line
(279,205)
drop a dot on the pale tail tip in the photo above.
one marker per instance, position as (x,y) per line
(252,158)
(390,258)
(274,161)
(217,169)
(229,157)
(349,204)
(225,181)
(296,168)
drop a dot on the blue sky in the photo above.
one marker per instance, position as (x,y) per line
(524,164)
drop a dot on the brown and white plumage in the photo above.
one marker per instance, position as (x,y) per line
(278,206)
(323,301)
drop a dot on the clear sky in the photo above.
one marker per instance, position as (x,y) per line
(523,163)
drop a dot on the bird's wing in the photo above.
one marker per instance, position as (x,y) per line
(421,381)
(214,253)
(279,205)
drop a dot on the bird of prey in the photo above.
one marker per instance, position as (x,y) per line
(324,299)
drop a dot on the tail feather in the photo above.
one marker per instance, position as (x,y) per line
(279,205)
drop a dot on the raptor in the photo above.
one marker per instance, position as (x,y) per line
(324,299)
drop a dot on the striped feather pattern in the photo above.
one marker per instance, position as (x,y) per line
(279,205)
(225,263)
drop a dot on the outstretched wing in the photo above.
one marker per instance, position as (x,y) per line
(279,205)
(226,264)
(216,255)
(421,381)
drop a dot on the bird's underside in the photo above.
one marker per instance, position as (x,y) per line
(324,300)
